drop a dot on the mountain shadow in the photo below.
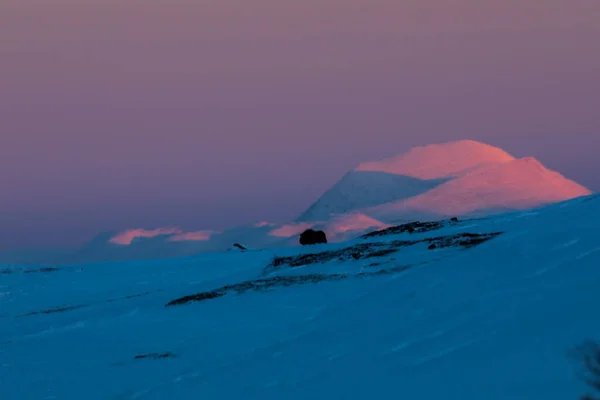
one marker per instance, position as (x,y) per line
(362,189)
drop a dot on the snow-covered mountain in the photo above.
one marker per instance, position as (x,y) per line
(489,308)
(443,160)
(442,180)
(464,178)
(515,185)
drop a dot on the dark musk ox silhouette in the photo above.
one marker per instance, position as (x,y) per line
(311,236)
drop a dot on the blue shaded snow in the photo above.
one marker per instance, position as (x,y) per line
(496,321)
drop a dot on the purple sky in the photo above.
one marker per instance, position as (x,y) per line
(205,114)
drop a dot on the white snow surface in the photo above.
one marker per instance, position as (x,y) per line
(443,180)
(495,321)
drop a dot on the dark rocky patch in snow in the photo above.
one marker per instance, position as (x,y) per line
(258,285)
(6,271)
(197,297)
(386,271)
(264,284)
(466,240)
(412,227)
(239,246)
(71,308)
(133,296)
(44,269)
(380,249)
(357,252)
(588,354)
(154,356)
(53,310)
(379,253)
(279,281)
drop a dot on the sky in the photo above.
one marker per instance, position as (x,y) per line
(120,114)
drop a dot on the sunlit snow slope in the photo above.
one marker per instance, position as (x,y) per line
(443,160)
(432,314)
(443,180)
(515,185)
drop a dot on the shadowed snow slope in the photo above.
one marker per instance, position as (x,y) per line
(481,309)
(360,189)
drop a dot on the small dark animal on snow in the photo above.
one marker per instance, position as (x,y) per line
(310,236)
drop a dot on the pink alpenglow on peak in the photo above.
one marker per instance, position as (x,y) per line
(449,179)
(127,237)
(198,236)
(463,178)
(262,224)
(516,185)
(445,160)
(353,222)
(175,235)
(290,230)
(337,228)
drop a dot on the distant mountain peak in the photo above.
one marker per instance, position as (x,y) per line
(453,178)
(462,178)
(515,185)
(173,234)
(436,161)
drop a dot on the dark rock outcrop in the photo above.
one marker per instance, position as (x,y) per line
(360,251)
(412,227)
(311,236)
(154,356)
(367,250)
(257,285)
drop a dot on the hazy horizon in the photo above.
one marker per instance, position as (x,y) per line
(125,114)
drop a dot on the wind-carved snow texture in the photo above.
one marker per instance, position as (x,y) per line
(481,315)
